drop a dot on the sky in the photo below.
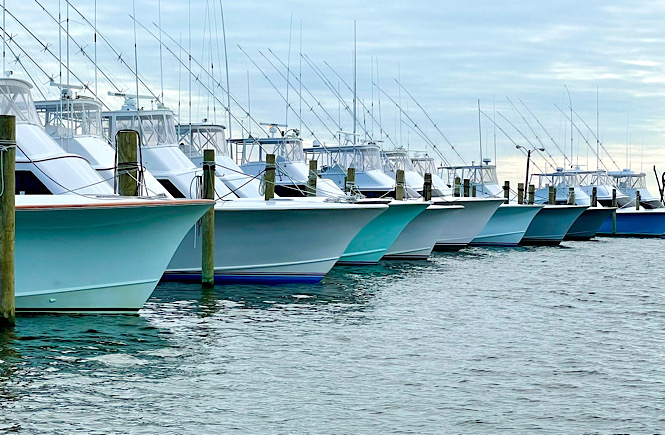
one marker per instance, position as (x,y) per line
(525,63)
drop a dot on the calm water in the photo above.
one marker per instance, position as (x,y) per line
(550,340)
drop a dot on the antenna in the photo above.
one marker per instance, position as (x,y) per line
(571,129)
(597,131)
(354,82)
(189,42)
(226,61)
(161,65)
(288,73)
(300,78)
(95,42)
(480,145)
(399,98)
(249,107)
(67,44)
(136,58)
(494,116)
(4,38)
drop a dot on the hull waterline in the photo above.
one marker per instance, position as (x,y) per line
(374,240)
(277,241)
(104,257)
(477,213)
(588,224)
(417,240)
(507,226)
(551,224)
(636,223)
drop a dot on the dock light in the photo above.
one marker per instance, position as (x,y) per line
(528,160)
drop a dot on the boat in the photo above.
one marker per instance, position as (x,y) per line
(588,224)
(275,241)
(508,224)
(635,223)
(551,224)
(95,254)
(630,182)
(76,233)
(369,245)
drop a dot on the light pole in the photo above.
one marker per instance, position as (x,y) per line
(528,160)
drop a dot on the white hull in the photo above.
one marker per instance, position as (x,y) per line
(276,241)
(507,226)
(477,213)
(551,224)
(76,254)
(417,240)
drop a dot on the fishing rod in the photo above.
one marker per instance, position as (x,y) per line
(526,139)
(436,127)
(47,50)
(80,48)
(311,108)
(18,60)
(546,132)
(518,146)
(542,145)
(188,69)
(598,142)
(205,71)
(119,55)
(415,124)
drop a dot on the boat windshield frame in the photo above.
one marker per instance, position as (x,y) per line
(194,138)
(71,117)
(393,160)
(477,174)
(288,148)
(362,158)
(156,127)
(16,99)
(629,180)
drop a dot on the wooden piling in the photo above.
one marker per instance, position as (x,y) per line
(506,192)
(427,187)
(638,198)
(350,182)
(594,196)
(208,222)
(552,195)
(7,221)
(311,178)
(457,187)
(532,194)
(127,163)
(520,193)
(399,185)
(571,196)
(269,178)
(474,191)
(614,213)
(467,187)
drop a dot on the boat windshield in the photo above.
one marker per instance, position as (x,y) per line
(284,148)
(362,158)
(76,117)
(393,161)
(155,128)
(16,99)
(476,174)
(424,165)
(630,181)
(200,137)
(556,179)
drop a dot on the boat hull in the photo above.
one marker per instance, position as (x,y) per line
(475,216)
(507,225)
(636,223)
(588,224)
(374,240)
(277,241)
(106,258)
(417,240)
(551,224)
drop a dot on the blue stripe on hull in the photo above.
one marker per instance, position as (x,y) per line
(642,224)
(234,279)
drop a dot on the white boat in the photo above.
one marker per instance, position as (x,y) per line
(255,240)
(551,224)
(417,240)
(563,181)
(79,247)
(630,182)
(509,223)
(101,254)
(76,125)
(471,221)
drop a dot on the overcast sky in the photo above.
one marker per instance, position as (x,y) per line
(448,55)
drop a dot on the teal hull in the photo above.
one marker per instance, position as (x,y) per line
(375,238)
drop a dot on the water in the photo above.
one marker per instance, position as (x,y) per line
(523,340)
